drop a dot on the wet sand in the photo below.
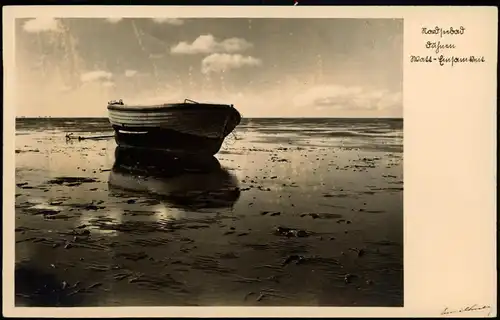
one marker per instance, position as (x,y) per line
(289,213)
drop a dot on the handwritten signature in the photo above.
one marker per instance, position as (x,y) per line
(471,308)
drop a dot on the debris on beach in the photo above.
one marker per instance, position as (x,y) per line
(348,278)
(134,256)
(344,221)
(290,232)
(70,136)
(293,258)
(337,195)
(95,285)
(299,259)
(322,215)
(87,206)
(312,215)
(248,295)
(139,212)
(58,217)
(42,211)
(71,181)
(277,159)
(263,293)
(29,150)
(360,252)
(228,255)
(24,185)
(93,207)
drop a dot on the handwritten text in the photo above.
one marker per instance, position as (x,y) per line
(440,51)
(472,308)
(443,32)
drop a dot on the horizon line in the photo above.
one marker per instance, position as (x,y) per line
(306,117)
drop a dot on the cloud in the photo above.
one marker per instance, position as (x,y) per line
(172,21)
(221,62)
(41,25)
(130,73)
(156,55)
(208,44)
(108,84)
(114,19)
(64,89)
(152,97)
(348,98)
(96,76)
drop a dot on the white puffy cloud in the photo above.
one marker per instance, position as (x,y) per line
(348,98)
(172,21)
(208,44)
(130,73)
(96,76)
(114,19)
(42,24)
(221,62)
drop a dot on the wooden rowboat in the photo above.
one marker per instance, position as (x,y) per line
(179,128)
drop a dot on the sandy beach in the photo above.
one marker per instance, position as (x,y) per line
(291,212)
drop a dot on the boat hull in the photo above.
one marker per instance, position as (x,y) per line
(184,129)
(170,141)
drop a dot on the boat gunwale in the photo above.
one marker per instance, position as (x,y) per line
(168,107)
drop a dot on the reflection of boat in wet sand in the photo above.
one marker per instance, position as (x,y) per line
(186,182)
(180,128)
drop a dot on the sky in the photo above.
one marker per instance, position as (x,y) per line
(280,67)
